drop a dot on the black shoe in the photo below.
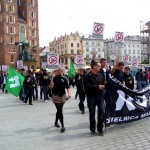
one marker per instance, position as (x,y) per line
(83,112)
(30,104)
(93,133)
(101,133)
(25,102)
(62,129)
(57,125)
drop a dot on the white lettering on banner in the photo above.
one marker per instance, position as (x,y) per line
(16,83)
(121,119)
(145,115)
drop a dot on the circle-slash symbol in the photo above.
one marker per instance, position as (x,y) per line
(119,37)
(98,29)
(53,60)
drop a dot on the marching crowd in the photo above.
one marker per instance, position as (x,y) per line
(91,83)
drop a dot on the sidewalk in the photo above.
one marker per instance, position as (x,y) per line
(25,127)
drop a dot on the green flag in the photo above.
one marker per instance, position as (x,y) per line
(71,72)
(14,82)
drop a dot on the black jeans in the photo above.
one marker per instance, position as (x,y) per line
(29,92)
(3,88)
(82,99)
(94,101)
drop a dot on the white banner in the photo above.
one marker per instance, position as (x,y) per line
(98,30)
(53,60)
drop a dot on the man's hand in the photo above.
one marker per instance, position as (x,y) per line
(101,87)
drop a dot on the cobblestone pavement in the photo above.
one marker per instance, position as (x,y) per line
(25,127)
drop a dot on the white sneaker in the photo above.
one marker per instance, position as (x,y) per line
(45,101)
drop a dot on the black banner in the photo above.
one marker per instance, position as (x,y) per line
(125,105)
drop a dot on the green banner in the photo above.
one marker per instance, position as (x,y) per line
(14,82)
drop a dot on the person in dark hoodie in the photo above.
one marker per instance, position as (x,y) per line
(44,83)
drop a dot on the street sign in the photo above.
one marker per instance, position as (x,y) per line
(125,57)
(5,68)
(44,65)
(53,60)
(79,61)
(113,57)
(134,62)
(98,30)
(119,37)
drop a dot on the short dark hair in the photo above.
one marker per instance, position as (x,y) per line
(29,72)
(94,64)
(22,69)
(102,59)
(121,64)
(33,70)
(127,67)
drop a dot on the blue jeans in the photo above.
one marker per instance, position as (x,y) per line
(45,92)
(35,88)
(94,101)
(139,85)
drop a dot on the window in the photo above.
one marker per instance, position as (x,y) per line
(138,52)
(129,51)
(99,50)
(32,2)
(129,58)
(78,51)
(10,8)
(72,51)
(133,45)
(1,19)
(33,43)
(66,60)
(22,34)
(87,55)
(87,49)
(10,19)
(11,29)
(1,40)
(32,14)
(33,33)
(99,56)
(93,49)
(93,43)
(133,51)
(129,45)
(71,44)
(98,43)
(137,46)
(125,51)
(65,45)
(77,44)
(11,40)
(87,43)
(33,25)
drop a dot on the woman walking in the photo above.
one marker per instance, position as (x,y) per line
(58,85)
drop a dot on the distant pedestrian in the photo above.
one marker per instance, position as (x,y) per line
(35,86)
(79,80)
(138,77)
(58,85)
(4,80)
(149,76)
(29,82)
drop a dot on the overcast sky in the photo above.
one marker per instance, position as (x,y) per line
(57,17)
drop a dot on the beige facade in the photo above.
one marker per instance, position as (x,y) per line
(68,46)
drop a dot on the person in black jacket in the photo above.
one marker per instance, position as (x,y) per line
(79,80)
(29,82)
(94,85)
(58,86)
(44,83)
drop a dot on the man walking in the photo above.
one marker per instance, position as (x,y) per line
(94,85)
